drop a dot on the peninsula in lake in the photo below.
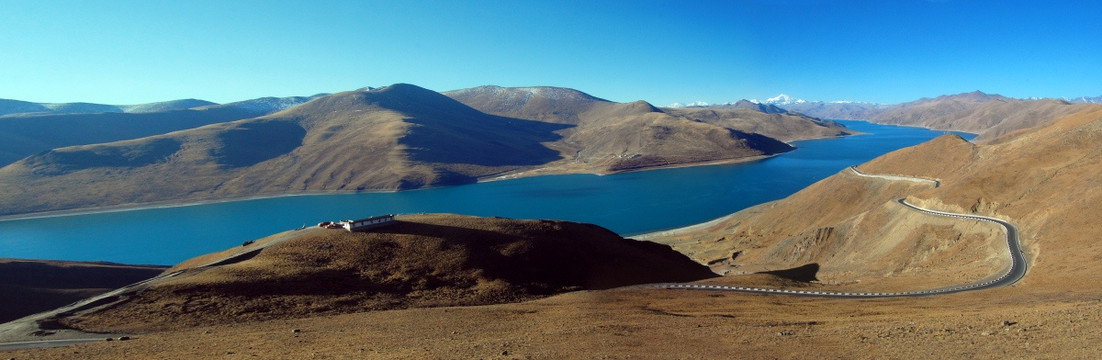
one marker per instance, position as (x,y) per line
(394,138)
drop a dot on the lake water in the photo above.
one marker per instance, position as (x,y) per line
(628,203)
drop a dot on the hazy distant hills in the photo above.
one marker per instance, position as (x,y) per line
(835,110)
(265,105)
(1043,179)
(975,112)
(746,104)
(29,128)
(398,137)
(988,115)
(10,107)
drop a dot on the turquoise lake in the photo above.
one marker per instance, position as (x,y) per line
(629,203)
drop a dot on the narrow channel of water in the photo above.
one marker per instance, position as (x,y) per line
(629,203)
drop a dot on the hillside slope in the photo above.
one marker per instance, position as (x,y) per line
(420,261)
(1043,180)
(398,137)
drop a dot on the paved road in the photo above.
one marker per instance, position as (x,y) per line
(1016,271)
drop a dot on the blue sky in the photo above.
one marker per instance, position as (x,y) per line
(889,51)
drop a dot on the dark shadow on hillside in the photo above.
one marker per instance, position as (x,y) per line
(27,135)
(804,273)
(762,142)
(251,143)
(64,161)
(482,140)
(28,287)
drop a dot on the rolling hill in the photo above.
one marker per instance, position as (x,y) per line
(419,261)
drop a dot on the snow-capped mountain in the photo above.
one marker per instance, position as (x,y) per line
(782,99)
(1085,99)
(692,104)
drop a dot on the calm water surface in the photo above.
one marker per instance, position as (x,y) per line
(629,203)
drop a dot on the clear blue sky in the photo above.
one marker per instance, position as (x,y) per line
(129,52)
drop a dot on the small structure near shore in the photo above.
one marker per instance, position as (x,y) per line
(361,224)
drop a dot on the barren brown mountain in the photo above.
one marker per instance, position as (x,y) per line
(398,137)
(611,136)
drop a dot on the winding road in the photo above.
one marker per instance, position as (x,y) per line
(1016,271)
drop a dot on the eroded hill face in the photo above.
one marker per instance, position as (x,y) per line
(1045,181)
(421,261)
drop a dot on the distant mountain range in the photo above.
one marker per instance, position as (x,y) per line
(264,105)
(397,137)
(27,128)
(989,115)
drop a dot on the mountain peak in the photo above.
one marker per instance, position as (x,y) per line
(781,99)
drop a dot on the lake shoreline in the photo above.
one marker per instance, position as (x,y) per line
(168,204)
(630,203)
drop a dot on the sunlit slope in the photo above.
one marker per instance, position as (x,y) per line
(1044,180)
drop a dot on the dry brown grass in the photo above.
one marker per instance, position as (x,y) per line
(651,324)
(422,261)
